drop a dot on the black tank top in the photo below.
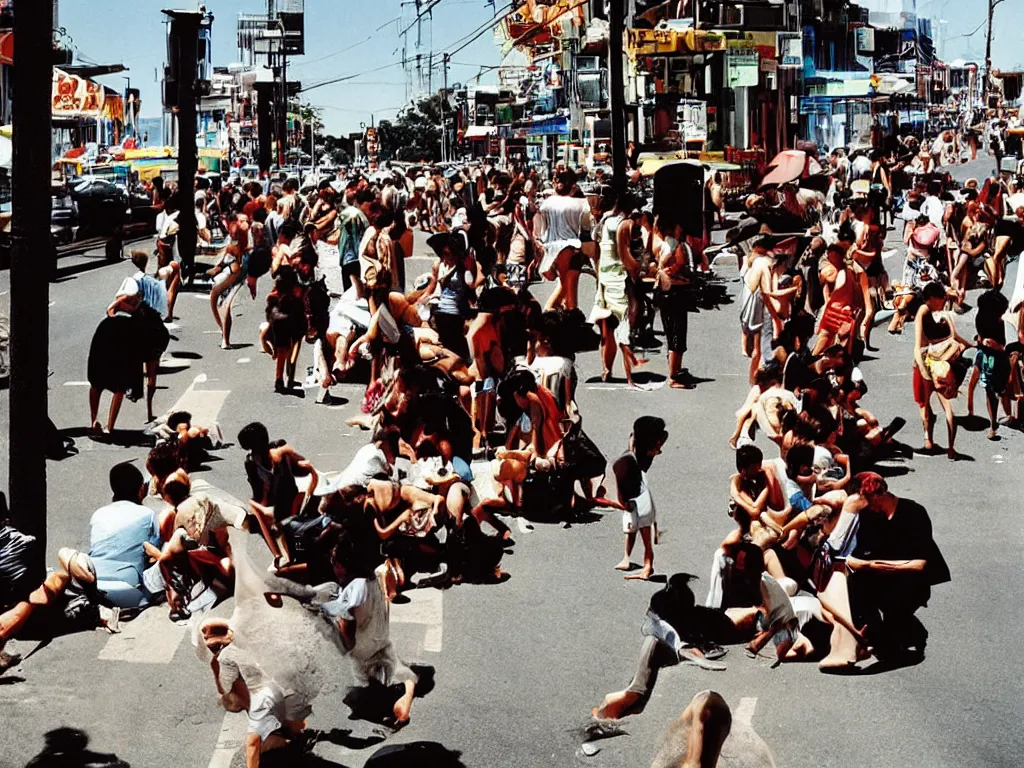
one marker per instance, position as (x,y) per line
(934,330)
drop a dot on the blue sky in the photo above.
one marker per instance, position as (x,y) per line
(342,38)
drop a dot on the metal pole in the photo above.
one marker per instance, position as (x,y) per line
(444,99)
(282,145)
(32,260)
(618,108)
(188,39)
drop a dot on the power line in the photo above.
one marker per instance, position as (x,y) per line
(344,78)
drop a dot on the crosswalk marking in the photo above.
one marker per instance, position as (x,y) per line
(231,739)
(745,709)
(150,638)
(424,608)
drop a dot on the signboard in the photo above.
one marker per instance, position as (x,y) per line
(743,66)
(74,96)
(791,50)
(692,116)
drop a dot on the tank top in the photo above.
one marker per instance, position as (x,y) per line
(610,262)
(934,330)
(452,299)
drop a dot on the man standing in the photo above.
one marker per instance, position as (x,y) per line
(894,567)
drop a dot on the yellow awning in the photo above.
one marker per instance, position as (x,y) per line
(666,42)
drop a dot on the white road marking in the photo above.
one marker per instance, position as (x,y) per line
(76,384)
(150,638)
(231,739)
(243,360)
(745,709)
(424,608)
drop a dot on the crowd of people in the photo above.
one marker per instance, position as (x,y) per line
(472,418)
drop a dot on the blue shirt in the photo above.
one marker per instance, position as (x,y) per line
(353,226)
(116,535)
(154,293)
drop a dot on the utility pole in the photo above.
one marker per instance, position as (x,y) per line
(32,259)
(617,86)
(444,101)
(185,35)
(988,47)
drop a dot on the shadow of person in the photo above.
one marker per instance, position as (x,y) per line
(415,755)
(66,748)
(375,703)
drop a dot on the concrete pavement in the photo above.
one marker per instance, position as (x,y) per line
(520,664)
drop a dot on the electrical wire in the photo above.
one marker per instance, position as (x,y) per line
(345,78)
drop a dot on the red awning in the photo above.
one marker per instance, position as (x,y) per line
(7,48)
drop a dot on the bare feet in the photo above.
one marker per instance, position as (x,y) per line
(402,709)
(625,565)
(676,384)
(992,435)
(644,575)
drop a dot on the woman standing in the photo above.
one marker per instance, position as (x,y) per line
(936,347)
(286,316)
(230,273)
(454,278)
(124,340)
(611,303)
(673,260)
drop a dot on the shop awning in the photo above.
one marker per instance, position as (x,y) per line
(7,48)
(667,42)
(479,131)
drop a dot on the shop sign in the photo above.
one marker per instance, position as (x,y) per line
(73,95)
(791,49)
(743,67)
(692,116)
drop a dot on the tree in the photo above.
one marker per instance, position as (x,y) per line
(338,151)
(415,134)
(312,129)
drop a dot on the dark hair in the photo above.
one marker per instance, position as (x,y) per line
(799,456)
(648,431)
(125,481)
(767,375)
(290,185)
(566,179)
(748,456)
(176,491)
(162,460)
(289,230)
(366,196)
(254,437)
(179,417)
(389,436)
(933,290)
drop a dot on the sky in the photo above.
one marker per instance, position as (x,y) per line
(343,37)
(361,37)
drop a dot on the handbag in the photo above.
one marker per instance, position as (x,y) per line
(947,350)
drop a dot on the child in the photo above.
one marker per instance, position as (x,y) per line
(646,441)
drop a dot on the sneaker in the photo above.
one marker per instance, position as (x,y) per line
(690,656)
(715,652)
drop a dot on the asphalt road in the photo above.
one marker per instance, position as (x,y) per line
(519,665)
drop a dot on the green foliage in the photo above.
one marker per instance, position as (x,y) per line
(416,133)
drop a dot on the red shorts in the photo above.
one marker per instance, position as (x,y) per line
(923,388)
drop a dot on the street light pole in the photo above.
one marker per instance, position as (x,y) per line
(616,32)
(32,259)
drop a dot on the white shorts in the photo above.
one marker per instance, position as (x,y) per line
(270,707)
(633,522)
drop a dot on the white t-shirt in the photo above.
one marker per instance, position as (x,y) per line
(564,217)
(167,224)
